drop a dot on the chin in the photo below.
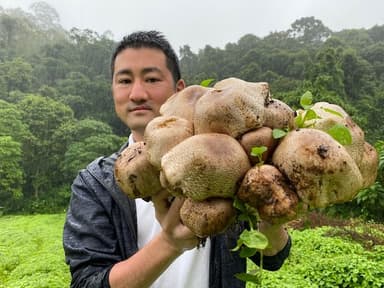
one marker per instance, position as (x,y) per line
(138,124)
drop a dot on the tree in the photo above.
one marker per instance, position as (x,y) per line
(46,17)
(17,74)
(11,123)
(11,172)
(358,75)
(80,153)
(43,117)
(309,30)
(326,74)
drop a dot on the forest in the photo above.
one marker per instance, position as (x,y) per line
(56,108)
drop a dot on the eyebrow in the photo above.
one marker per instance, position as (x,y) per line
(143,72)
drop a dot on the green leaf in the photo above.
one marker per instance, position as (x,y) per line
(258,151)
(247,252)
(254,239)
(253,278)
(239,243)
(310,115)
(239,205)
(341,134)
(299,120)
(207,82)
(278,133)
(306,100)
(243,217)
(332,112)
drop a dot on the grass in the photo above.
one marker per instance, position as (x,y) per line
(31,253)
(325,253)
(329,252)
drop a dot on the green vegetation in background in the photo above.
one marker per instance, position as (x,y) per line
(31,253)
(346,255)
(320,260)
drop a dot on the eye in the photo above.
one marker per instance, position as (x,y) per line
(152,79)
(124,81)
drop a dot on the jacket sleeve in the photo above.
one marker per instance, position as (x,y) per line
(273,263)
(89,238)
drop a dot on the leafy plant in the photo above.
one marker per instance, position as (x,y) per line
(258,151)
(250,241)
(207,82)
(31,253)
(306,118)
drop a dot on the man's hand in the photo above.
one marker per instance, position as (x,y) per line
(277,237)
(178,236)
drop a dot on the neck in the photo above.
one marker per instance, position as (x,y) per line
(137,136)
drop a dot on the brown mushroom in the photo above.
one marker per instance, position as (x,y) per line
(233,108)
(208,217)
(368,165)
(331,114)
(163,133)
(134,175)
(279,115)
(267,190)
(182,103)
(320,169)
(257,138)
(204,166)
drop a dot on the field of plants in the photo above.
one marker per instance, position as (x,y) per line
(325,253)
(31,253)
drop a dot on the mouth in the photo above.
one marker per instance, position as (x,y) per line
(139,108)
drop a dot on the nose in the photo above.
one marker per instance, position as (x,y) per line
(138,92)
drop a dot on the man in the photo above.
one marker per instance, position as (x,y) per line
(112,241)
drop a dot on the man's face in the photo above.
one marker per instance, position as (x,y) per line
(141,84)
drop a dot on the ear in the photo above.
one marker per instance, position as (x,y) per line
(180,85)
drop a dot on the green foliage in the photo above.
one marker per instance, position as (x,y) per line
(207,82)
(250,240)
(338,131)
(31,256)
(11,123)
(31,253)
(258,152)
(17,74)
(11,172)
(318,261)
(43,117)
(80,153)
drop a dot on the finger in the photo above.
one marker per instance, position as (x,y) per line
(175,207)
(161,202)
(174,211)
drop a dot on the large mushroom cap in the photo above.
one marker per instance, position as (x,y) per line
(331,114)
(233,107)
(321,170)
(134,175)
(205,165)
(209,217)
(279,115)
(162,133)
(182,103)
(265,188)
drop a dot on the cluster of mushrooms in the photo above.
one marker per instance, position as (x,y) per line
(200,147)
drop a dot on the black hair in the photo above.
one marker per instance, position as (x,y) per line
(149,39)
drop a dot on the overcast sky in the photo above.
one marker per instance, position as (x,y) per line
(200,22)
